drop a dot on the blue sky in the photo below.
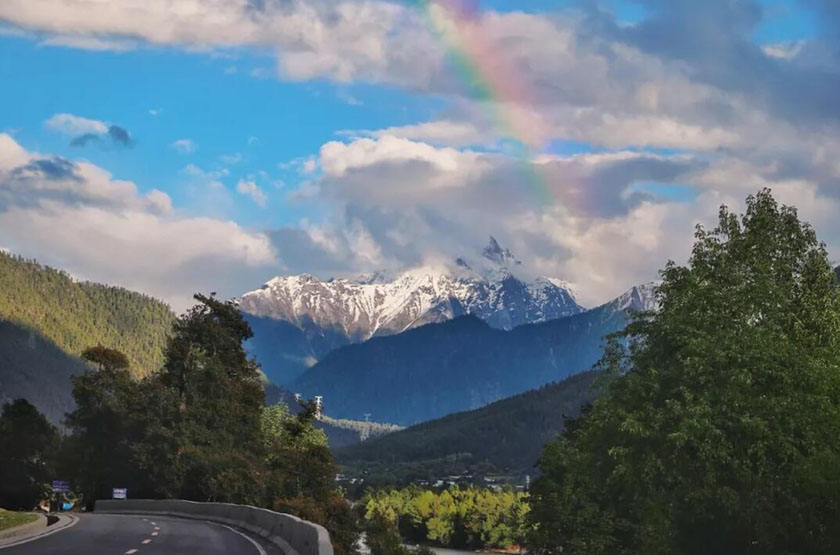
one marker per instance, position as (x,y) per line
(336,136)
(162,95)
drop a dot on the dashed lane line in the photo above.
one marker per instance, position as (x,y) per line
(131,551)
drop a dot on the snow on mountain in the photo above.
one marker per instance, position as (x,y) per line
(381,304)
(641,298)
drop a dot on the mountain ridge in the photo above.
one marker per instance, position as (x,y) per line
(332,313)
(461,364)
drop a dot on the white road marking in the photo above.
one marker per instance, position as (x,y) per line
(256,545)
(157,527)
(154,523)
(154,533)
(146,519)
(74,521)
(144,542)
(130,551)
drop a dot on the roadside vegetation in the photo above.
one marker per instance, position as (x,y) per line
(717,430)
(10,519)
(460,518)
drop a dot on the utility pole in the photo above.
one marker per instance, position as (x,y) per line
(366,431)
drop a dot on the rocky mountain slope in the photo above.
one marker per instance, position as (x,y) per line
(297,320)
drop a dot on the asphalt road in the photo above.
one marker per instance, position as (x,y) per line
(144,535)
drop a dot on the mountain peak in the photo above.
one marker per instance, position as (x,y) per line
(640,298)
(495,253)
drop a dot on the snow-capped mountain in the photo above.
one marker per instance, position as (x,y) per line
(298,320)
(380,304)
(641,298)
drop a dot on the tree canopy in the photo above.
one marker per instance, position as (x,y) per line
(198,429)
(717,431)
(27,455)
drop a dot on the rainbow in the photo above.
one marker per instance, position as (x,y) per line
(492,81)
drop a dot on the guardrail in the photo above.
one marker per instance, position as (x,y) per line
(291,534)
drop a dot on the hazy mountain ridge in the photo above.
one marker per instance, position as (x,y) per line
(461,364)
(298,319)
(504,437)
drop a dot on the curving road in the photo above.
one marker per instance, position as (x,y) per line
(144,535)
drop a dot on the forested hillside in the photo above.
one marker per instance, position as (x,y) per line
(34,368)
(462,364)
(76,315)
(504,437)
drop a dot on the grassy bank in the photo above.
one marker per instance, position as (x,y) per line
(10,519)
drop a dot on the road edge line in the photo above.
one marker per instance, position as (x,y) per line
(256,544)
(73,521)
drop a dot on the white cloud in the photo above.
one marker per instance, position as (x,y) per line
(70,124)
(403,193)
(251,189)
(440,132)
(231,159)
(89,43)
(337,157)
(184,146)
(111,232)
(584,217)
(309,165)
(305,165)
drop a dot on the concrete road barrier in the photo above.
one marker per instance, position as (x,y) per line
(291,534)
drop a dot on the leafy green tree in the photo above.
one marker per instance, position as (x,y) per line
(27,447)
(99,451)
(382,537)
(300,474)
(105,358)
(717,432)
(299,463)
(202,435)
(471,517)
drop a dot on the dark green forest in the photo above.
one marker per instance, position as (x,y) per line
(75,315)
(34,368)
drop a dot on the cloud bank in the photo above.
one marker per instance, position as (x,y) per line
(636,131)
(76,216)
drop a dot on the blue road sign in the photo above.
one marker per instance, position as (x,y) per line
(119,493)
(61,486)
